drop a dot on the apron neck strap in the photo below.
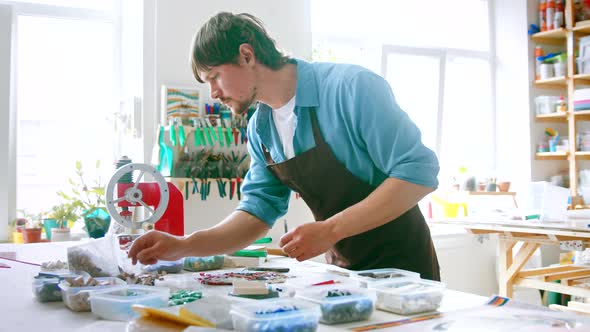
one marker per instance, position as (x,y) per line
(317,135)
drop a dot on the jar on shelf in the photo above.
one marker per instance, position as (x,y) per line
(546,104)
(542,146)
(561,106)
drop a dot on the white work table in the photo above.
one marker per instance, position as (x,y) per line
(21,311)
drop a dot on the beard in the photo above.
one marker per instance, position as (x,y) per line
(241,107)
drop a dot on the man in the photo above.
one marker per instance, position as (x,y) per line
(331,132)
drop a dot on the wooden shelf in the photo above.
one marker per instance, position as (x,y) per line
(583,79)
(581,115)
(551,155)
(552,117)
(559,82)
(492,193)
(582,155)
(557,36)
(172,179)
(582,27)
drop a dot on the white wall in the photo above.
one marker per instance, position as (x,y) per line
(514,146)
(467,261)
(169,28)
(7,123)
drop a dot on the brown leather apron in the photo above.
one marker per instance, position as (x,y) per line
(328,187)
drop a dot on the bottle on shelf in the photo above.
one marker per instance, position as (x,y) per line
(542,15)
(559,14)
(550,14)
(538,54)
(561,105)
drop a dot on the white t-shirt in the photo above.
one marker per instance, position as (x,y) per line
(284,119)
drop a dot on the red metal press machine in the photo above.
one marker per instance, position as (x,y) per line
(162,202)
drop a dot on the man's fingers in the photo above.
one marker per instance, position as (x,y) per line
(289,247)
(285,239)
(302,257)
(296,252)
(138,245)
(150,261)
(148,255)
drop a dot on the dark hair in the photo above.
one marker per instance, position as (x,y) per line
(218,42)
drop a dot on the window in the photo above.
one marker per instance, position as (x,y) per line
(439,70)
(65,99)
(71,89)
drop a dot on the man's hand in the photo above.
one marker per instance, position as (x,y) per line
(155,245)
(308,240)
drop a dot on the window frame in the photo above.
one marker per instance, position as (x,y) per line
(114,16)
(443,54)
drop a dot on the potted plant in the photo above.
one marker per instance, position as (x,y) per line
(88,201)
(32,231)
(16,227)
(62,214)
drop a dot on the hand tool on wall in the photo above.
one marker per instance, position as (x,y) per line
(195,186)
(207,131)
(212,130)
(228,135)
(172,132)
(220,132)
(181,133)
(196,132)
(166,155)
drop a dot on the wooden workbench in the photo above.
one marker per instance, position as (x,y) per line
(21,311)
(568,235)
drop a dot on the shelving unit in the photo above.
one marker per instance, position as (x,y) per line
(554,37)
(567,37)
(553,117)
(560,82)
(551,155)
(582,116)
(582,78)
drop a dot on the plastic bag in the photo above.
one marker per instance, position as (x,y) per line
(214,309)
(121,244)
(96,257)
(148,324)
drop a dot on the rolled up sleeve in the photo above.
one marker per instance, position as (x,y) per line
(390,137)
(263,195)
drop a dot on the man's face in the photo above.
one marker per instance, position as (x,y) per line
(233,85)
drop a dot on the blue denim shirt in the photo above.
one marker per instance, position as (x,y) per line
(360,121)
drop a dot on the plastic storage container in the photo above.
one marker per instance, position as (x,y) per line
(311,280)
(341,303)
(546,104)
(116,304)
(368,277)
(166,266)
(196,264)
(408,296)
(544,201)
(76,298)
(46,289)
(275,315)
(179,281)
